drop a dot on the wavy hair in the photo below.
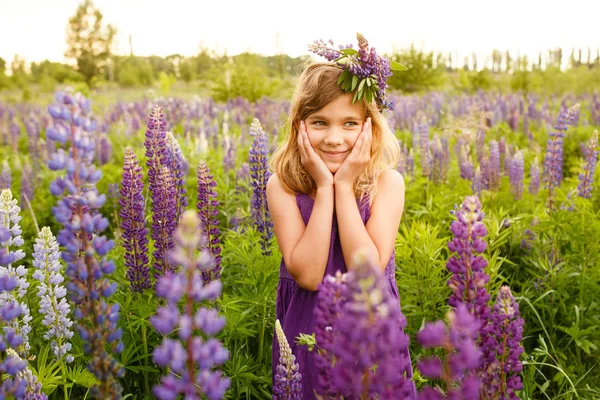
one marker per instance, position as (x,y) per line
(317,87)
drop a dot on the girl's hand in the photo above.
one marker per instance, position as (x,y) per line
(311,160)
(358,158)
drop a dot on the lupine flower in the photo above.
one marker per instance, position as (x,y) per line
(480,144)
(208,211)
(191,359)
(494,168)
(9,219)
(84,246)
(230,154)
(259,175)
(52,294)
(457,370)
(12,385)
(502,349)
(133,223)
(162,190)
(553,161)
(534,173)
(287,383)
(517,172)
(467,267)
(6,176)
(502,151)
(424,142)
(584,189)
(178,167)
(477,183)
(356,309)
(437,162)
(33,389)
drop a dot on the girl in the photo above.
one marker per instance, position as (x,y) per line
(334,190)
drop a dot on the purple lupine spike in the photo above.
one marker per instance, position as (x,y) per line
(502,349)
(192,358)
(357,309)
(553,160)
(424,147)
(445,158)
(52,294)
(480,144)
(9,219)
(133,223)
(85,247)
(6,176)
(13,384)
(437,162)
(467,266)
(584,189)
(517,173)
(259,175)
(502,151)
(163,222)
(287,383)
(534,174)
(156,147)
(178,167)
(462,357)
(104,153)
(230,154)
(33,389)
(494,169)
(208,211)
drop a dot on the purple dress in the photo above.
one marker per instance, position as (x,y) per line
(295,305)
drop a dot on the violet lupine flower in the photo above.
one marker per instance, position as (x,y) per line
(6,176)
(502,151)
(517,173)
(259,175)
(437,162)
(84,246)
(33,389)
(52,294)
(356,309)
(287,383)
(191,359)
(9,219)
(164,222)
(534,174)
(230,154)
(494,167)
(480,144)
(457,370)
(162,190)
(467,267)
(366,63)
(104,151)
(208,212)
(178,167)
(424,142)
(9,311)
(133,223)
(502,349)
(584,189)
(553,160)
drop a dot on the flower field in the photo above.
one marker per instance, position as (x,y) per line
(138,259)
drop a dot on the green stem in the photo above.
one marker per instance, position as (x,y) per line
(64,375)
(262,334)
(145,343)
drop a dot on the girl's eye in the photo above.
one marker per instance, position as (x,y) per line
(351,123)
(319,123)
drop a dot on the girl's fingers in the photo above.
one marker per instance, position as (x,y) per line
(301,145)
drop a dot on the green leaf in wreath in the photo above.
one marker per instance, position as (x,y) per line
(361,85)
(348,52)
(354,81)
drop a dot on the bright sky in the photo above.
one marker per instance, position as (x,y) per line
(35,29)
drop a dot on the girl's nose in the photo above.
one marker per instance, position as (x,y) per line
(334,138)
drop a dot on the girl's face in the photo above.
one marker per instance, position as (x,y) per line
(333,130)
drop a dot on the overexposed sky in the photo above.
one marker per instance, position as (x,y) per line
(36,29)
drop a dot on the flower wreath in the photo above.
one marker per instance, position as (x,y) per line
(364,70)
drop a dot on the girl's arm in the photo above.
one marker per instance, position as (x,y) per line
(378,236)
(305,248)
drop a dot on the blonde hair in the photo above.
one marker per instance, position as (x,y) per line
(317,87)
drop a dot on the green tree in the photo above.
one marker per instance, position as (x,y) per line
(422,73)
(89,41)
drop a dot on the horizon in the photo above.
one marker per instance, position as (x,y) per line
(167,31)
